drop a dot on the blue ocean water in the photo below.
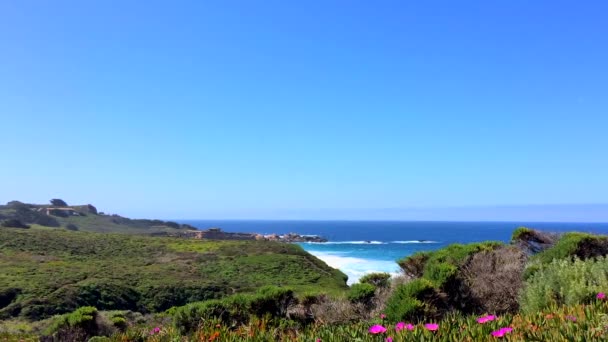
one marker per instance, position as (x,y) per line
(360,247)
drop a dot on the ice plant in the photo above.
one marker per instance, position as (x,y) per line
(389,339)
(382,316)
(601,295)
(377,329)
(485,319)
(431,326)
(501,332)
(409,327)
(571,318)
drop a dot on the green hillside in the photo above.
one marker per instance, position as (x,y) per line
(80,217)
(45,271)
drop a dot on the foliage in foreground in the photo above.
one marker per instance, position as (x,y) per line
(576,323)
(565,282)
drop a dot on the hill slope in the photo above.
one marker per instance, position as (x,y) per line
(49,271)
(83,218)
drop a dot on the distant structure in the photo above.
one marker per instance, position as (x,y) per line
(60,211)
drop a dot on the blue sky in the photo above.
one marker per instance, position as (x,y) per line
(310,109)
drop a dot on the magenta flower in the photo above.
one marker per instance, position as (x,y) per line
(399,326)
(571,318)
(601,295)
(156,330)
(382,316)
(485,319)
(389,339)
(377,329)
(501,332)
(431,326)
(409,327)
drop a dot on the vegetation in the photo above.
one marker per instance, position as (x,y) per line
(260,291)
(376,279)
(361,293)
(58,202)
(565,282)
(44,272)
(13,223)
(84,218)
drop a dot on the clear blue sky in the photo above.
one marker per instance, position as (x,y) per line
(309,109)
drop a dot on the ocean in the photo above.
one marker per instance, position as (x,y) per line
(360,247)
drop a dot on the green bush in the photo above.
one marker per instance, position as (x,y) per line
(572,244)
(521,232)
(376,279)
(443,264)
(566,282)
(413,265)
(76,325)
(361,293)
(272,300)
(234,310)
(409,301)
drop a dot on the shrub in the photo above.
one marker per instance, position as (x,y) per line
(416,300)
(71,226)
(234,310)
(494,279)
(272,300)
(13,223)
(565,282)
(376,279)
(361,293)
(533,241)
(572,244)
(443,264)
(75,326)
(413,265)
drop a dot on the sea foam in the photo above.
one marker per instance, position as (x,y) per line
(355,268)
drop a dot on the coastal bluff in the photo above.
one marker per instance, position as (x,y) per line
(219,234)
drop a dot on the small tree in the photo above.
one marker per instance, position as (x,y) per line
(376,279)
(58,202)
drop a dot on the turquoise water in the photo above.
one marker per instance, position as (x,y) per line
(360,247)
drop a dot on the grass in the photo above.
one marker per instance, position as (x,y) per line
(56,271)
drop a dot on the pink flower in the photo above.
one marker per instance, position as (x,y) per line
(485,319)
(431,326)
(601,295)
(389,339)
(572,318)
(156,330)
(501,332)
(377,329)
(400,326)
(382,316)
(318,340)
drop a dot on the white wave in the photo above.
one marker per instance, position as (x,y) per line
(415,241)
(355,268)
(350,243)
